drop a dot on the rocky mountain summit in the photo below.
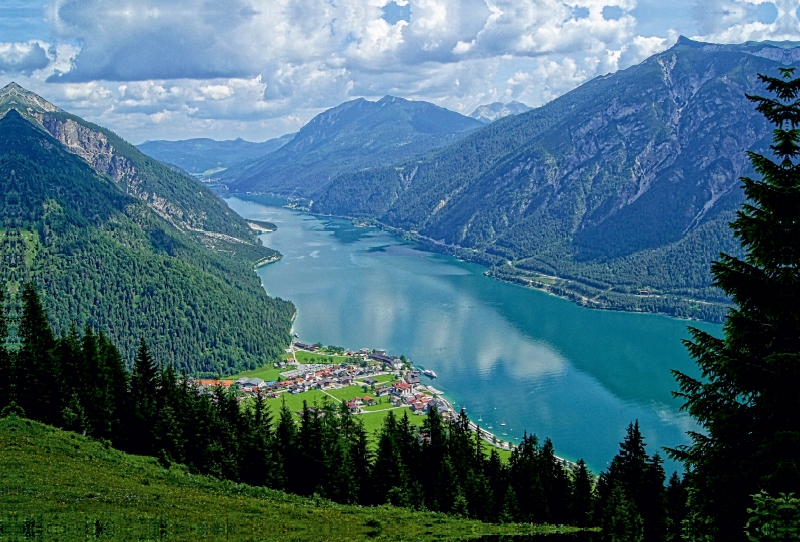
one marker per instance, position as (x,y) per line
(498,110)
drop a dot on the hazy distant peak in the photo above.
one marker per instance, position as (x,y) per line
(497,110)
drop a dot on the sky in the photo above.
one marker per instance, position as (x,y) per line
(257,69)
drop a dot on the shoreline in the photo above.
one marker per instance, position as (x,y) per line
(493,265)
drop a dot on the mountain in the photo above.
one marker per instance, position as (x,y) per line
(617,194)
(498,110)
(118,241)
(353,136)
(203,155)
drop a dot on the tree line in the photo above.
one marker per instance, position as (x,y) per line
(78,381)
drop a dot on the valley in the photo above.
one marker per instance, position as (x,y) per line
(509,354)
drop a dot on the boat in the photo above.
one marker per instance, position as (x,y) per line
(505,434)
(502,425)
(490,427)
(429,373)
(480,418)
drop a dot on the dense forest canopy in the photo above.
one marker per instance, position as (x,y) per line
(133,264)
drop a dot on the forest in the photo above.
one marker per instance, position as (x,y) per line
(104,258)
(78,381)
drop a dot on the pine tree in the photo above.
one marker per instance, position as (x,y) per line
(676,506)
(390,478)
(6,375)
(144,380)
(746,400)
(640,479)
(623,522)
(287,454)
(582,495)
(38,375)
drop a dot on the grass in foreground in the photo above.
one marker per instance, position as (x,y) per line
(57,485)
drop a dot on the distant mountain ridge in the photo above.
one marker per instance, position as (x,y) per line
(498,110)
(617,194)
(200,155)
(355,135)
(118,241)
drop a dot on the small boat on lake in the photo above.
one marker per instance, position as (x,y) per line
(502,424)
(429,373)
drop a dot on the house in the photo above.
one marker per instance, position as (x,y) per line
(385,390)
(367,400)
(346,381)
(369,381)
(352,404)
(419,406)
(402,389)
(412,377)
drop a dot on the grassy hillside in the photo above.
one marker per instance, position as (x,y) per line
(57,485)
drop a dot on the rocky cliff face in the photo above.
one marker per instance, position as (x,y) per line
(174,196)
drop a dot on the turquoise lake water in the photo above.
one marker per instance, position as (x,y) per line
(506,353)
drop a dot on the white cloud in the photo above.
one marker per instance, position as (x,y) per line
(264,66)
(25,57)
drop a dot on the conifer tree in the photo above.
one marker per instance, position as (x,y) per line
(389,473)
(285,444)
(582,495)
(143,400)
(676,506)
(747,398)
(6,375)
(38,376)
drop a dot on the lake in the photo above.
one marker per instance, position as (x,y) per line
(506,353)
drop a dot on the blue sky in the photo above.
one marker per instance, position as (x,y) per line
(175,69)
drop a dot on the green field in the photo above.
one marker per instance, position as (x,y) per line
(58,485)
(267,373)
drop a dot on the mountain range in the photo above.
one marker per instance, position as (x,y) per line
(120,242)
(203,155)
(355,135)
(617,194)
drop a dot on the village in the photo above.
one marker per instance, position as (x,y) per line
(370,382)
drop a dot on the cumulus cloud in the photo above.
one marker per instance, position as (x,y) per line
(155,68)
(23,58)
(736,21)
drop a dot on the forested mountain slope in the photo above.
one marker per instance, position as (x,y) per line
(622,188)
(201,155)
(353,136)
(118,241)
